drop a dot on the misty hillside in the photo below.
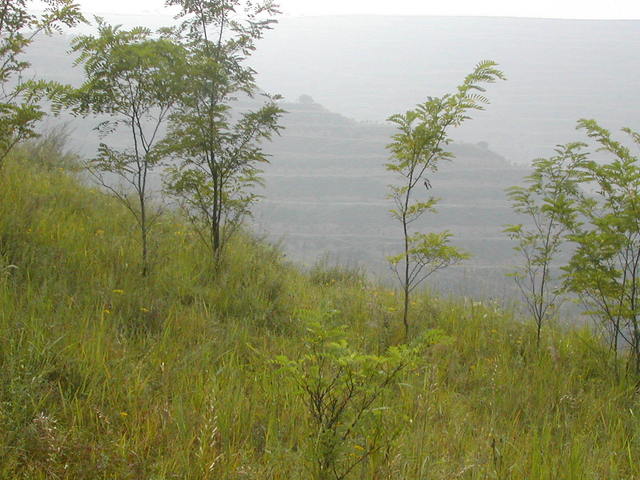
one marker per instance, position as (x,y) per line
(373,66)
(369,67)
(157,323)
(106,375)
(326,194)
(326,186)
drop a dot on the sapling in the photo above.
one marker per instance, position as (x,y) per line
(547,203)
(217,152)
(344,392)
(418,148)
(604,270)
(134,78)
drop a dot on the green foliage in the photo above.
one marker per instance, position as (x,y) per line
(344,393)
(547,202)
(326,272)
(604,268)
(135,79)
(592,206)
(218,156)
(101,378)
(20,108)
(418,147)
(51,150)
(428,252)
(417,150)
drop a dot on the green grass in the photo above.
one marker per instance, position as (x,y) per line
(104,375)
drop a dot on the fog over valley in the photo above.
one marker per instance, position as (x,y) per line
(325,189)
(368,68)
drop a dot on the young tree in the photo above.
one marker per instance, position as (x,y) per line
(547,202)
(218,151)
(20,108)
(344,393)
(417,150)
(604,270)
(134,78)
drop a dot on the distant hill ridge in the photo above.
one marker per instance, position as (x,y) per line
(369,67)
(326,185)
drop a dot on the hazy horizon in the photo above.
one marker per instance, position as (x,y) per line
(566,9)
(368,67)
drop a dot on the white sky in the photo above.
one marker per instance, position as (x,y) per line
(585,9)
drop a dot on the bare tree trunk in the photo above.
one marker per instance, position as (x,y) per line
(144,238)
(405,312)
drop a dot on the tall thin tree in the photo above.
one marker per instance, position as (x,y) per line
(547,204)
(134,78)
(417,150)
(218,147)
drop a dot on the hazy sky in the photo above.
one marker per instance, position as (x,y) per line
(628,9)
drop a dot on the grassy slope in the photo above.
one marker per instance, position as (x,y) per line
(105,376)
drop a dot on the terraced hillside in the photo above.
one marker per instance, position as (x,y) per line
(326,195)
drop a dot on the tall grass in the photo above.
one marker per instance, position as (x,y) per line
(106,375)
